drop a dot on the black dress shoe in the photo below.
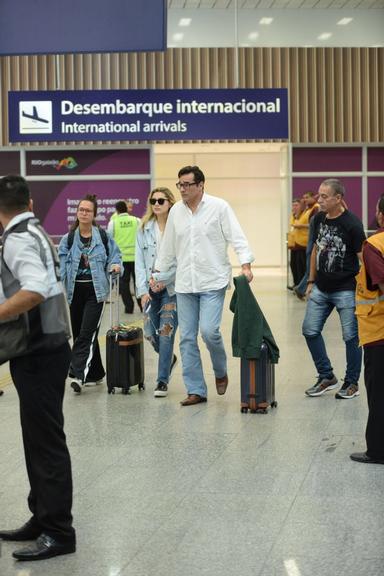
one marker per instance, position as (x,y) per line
(364,458)
(27,532)
(45,547)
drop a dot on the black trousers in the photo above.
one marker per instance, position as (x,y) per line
(298,265)
(125,287)
(40,382)
(374,383)
(86,314)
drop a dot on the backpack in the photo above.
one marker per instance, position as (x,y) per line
(103,235)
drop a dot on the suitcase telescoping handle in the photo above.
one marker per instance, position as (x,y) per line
(114,282)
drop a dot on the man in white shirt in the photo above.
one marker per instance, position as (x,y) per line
(198,231)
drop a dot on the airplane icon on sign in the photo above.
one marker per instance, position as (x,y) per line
(34,116)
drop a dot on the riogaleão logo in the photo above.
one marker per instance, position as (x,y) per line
(69,163)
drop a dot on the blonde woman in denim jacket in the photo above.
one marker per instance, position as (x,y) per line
(84,268)
(157,291)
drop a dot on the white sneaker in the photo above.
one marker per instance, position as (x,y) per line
(94,383)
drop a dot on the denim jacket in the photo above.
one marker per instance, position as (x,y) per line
(145,257)
(99,263)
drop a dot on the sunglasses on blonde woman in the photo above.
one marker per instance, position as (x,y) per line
(160,201)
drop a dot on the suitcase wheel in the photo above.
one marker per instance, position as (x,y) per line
(274,404)
(142,386)
(125,391)
(111,390)
(244,410)
(261,411)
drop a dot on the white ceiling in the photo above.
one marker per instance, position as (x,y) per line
(223,23)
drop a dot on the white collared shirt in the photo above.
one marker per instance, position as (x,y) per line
(22,256)
(199,242)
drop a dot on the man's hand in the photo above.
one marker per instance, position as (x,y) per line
(247,272)
(308,289)
(115,268)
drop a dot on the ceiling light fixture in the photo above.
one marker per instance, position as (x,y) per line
(344,21)
(178,36)
(253,35)
(266,21)
(324,36)
(185,21)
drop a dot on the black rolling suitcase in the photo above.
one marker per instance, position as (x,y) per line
(258,383)
(124,349)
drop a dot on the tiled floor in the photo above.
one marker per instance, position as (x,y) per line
(162,490)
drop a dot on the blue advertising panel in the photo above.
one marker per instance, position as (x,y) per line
(57,27)
(89,115)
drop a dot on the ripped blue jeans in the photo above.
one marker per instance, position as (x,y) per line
(160,325)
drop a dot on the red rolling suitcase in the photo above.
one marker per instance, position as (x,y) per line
(124,349)
(258,383)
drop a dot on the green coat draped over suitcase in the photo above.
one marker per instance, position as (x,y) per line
(249,328)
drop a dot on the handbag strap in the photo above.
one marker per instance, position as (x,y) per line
(23,227)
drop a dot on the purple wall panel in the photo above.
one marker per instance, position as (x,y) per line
(330,160)
(353,188)
(302,185)
(55,202)
(375,190)
(9,163)
(376,159)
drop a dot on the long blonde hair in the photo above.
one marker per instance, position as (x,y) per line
(149,214)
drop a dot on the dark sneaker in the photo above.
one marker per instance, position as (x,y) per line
(76,384)
(365,459)
(161,390)
(322,385)
(348,390)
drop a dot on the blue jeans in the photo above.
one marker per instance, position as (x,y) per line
(319,307)
(160,326)
(203,309)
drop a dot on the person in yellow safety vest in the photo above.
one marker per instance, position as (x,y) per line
(298,242)
(123,229)
(370,319)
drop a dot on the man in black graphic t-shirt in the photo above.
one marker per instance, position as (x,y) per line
(339,236)
(338,242)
